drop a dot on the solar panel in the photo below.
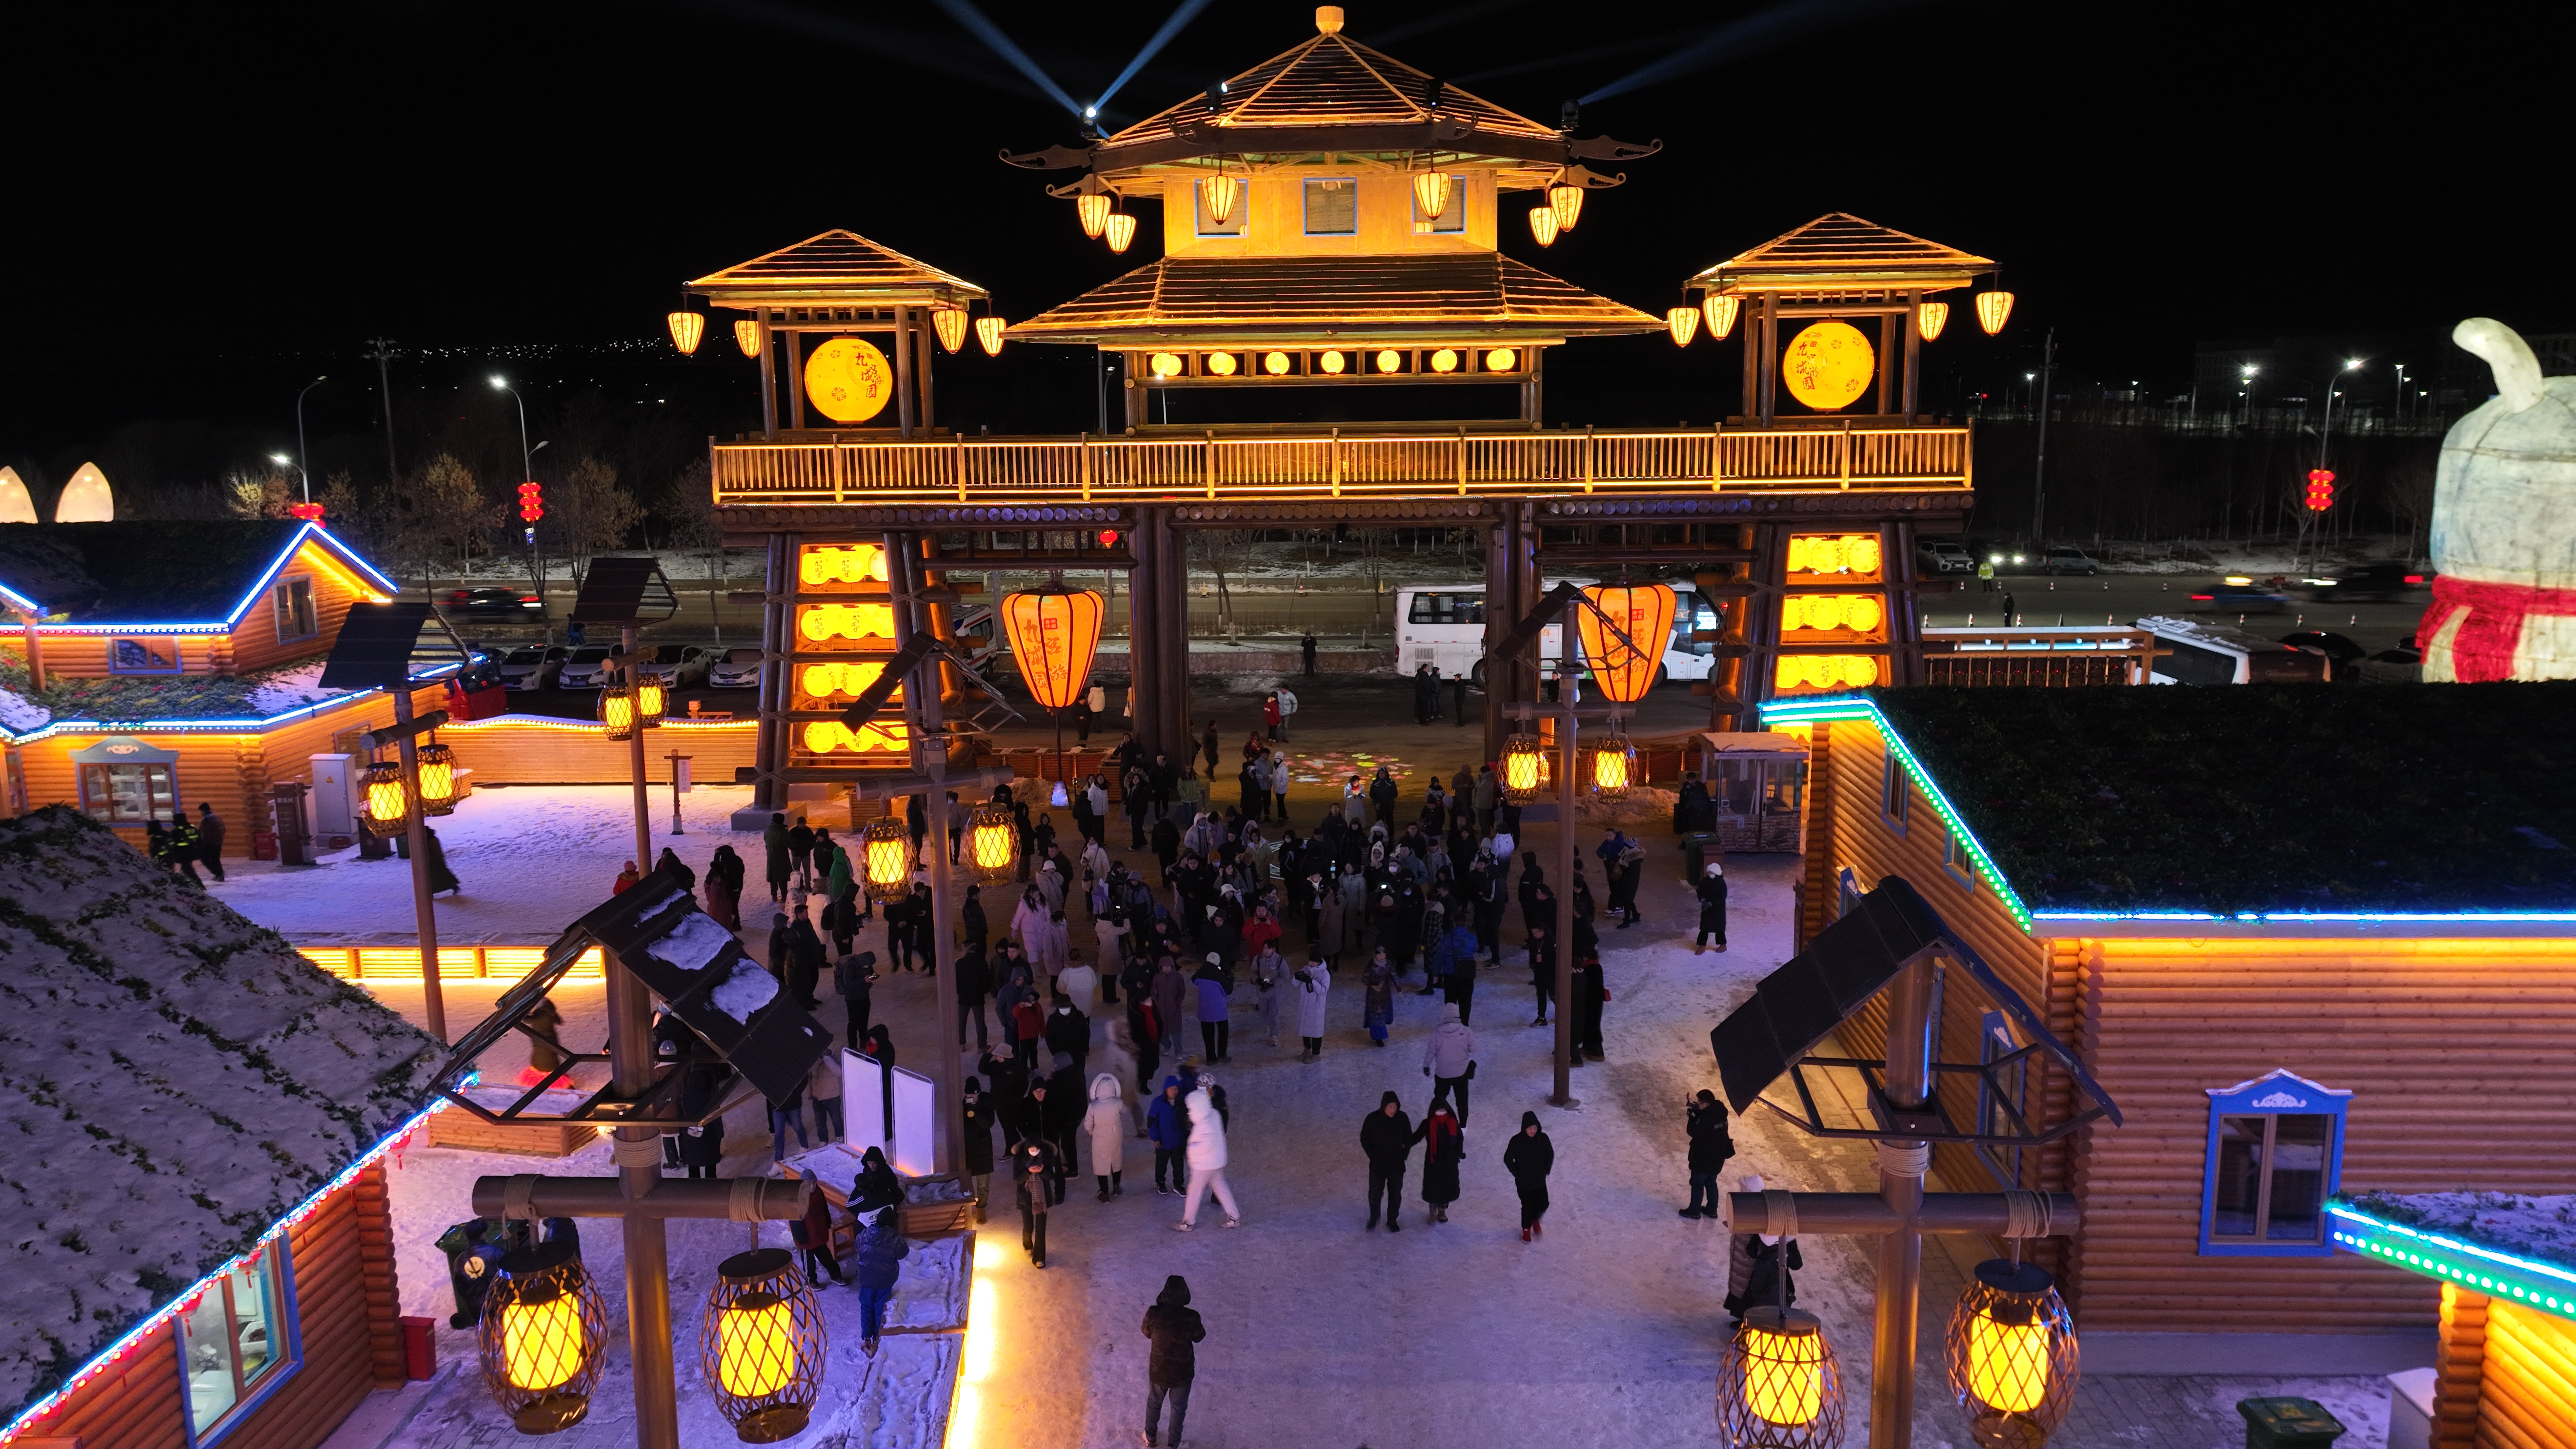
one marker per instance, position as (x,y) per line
(1796,1006)
(621,590)
(655,929)
(374,647)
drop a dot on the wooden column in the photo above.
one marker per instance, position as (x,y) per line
(376,1276)
(2459,1366)
(925,346)
(1137,416)
(1904,617)
(1534,391)
(1822,891)
(1770,573)
(1500,612)
(768,381)
(1886,345)
(903,370)
(795,383)
(1748,322)
(777,625)
(1766,335)
(1144,635)
(1913,356)
(924,718)
(1173,583)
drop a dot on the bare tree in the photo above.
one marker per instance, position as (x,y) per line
(590,513)
(690,504)
(450,517)
(258,493)
(1222,551)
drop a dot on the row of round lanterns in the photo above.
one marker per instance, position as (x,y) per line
(1443,360)
(949,324)
(1930,318)
(762,1341)
(389,790)
(2011,1357)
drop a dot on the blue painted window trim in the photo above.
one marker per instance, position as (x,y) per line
(277,1378)
(2239,1101)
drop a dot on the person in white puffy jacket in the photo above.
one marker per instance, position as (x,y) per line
(1207,1161)
(1105,1123)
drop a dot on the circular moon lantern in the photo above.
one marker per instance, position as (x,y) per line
(1221,364)
(1332,363)
(1276,363)
(1624,669)
(1167,364)
(1828,366)
(849,381)
(1390,360)
(1501,359)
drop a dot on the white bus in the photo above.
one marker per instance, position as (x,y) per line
(1443,625)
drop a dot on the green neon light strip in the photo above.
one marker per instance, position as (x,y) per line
(2545,1287)
(1810,711)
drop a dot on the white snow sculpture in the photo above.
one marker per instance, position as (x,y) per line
(2504,525)
(86,498)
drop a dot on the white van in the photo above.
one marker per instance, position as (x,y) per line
(2191,652)
(1443,625)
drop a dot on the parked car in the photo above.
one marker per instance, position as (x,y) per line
(2065,560)
(2385,580)
(677,666)
(586,669)
(2237,594)
(1937,556)
(495,601)
(738,669)
(534,667)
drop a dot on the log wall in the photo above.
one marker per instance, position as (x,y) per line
(2527,1394)
(519,749)
(252,644)
(2454,1050)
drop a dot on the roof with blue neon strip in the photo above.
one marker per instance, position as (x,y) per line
(2455,799)
(145,572)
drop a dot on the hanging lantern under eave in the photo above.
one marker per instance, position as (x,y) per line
(437,779)
(1624,669)
(686,329)
(762,1344)
(542,1331)
(1121,230)
(950,324)
(1567,202)
(993,842)
(1525,768)
(1054,633)
(746,335)
(1683,323)
(1719,310)
(617,711)
(1543,225)
(1431,193)
(1993,308)
(1778,1386)
(988,331)
(1929,319)
(1092,210)
(1611,767)
(886,856)
(388,801)
(1219,193)
(2013,1360)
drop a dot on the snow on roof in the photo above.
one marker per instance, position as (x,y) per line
(2532,1227)
(174,1080)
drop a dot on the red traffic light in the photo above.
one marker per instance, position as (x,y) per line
(2320,489)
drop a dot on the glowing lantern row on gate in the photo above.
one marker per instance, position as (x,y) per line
(1054,632)
(1624,669)
(1860,613)
(540,1339)
(762,1343)
(887,856)
(1779,1386)
(1526,768)
(2012,1356)
(993,840)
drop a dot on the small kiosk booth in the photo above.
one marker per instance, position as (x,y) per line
(1757,789)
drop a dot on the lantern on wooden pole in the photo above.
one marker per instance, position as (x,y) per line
(1525,772)
(762,1343)
(1779,1386)
(543,1328)
(886,857)
(1055,634)
(388,799)
(993,840)
(2012,1354)
(438,794)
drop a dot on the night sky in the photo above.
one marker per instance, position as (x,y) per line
(211,205)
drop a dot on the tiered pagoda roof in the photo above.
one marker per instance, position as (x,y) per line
(834,267)
(1840,253)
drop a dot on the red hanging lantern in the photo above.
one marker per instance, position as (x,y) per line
(1624,670)
(2320,489)
(532,502)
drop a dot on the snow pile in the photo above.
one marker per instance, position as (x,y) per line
(693,944)
(746,991)
(20,715)
(2535,1227)
(173,1081)
(293,687)
(1641,805)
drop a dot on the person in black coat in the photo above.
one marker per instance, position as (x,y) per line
(852,976)
(1712,908)
(1175,1330)
(972,929)
(1386,1135)
(805,960)
(978,1111)
(1704,1122)
(1444,1147)
(1589,992)
(972,979)
(1009,1087)
(1771,1281)
(1068,1098)
(1068,1033)
(1037,1180)
(1529,1157)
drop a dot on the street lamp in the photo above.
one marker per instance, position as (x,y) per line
(2245,390)
(540,1339)
(527,455)
(301,457)
(2401,392)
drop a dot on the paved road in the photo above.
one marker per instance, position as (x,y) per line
(2120,598)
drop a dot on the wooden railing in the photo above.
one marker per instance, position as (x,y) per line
(1328,464)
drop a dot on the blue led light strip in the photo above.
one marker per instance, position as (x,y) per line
(232,620)
(116,1353)
(2546,1287)
(186,726)
(1812,710)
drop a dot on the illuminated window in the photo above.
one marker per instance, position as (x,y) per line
(1332,206)
(143,656)
(129,794)
(2275,1156)
(237,1343)
(292,600)
(1236,218)
(1893,793)
(1453,219)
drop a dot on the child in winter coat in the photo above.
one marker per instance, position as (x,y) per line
(1444,1146)
(1167,1125)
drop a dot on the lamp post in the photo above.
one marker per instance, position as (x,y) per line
(303,460)
(2400,410)
(2245,390)
(2325,435)
(283,461)
(527,455)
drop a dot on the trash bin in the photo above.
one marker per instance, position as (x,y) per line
(420,1347)
(1697,848)
(471,1260)
(2288,1424)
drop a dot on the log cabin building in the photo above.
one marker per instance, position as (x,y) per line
(2306,938)
(160,664)
(200,1246)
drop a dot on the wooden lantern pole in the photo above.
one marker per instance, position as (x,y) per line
(416,836)
(637,1150)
